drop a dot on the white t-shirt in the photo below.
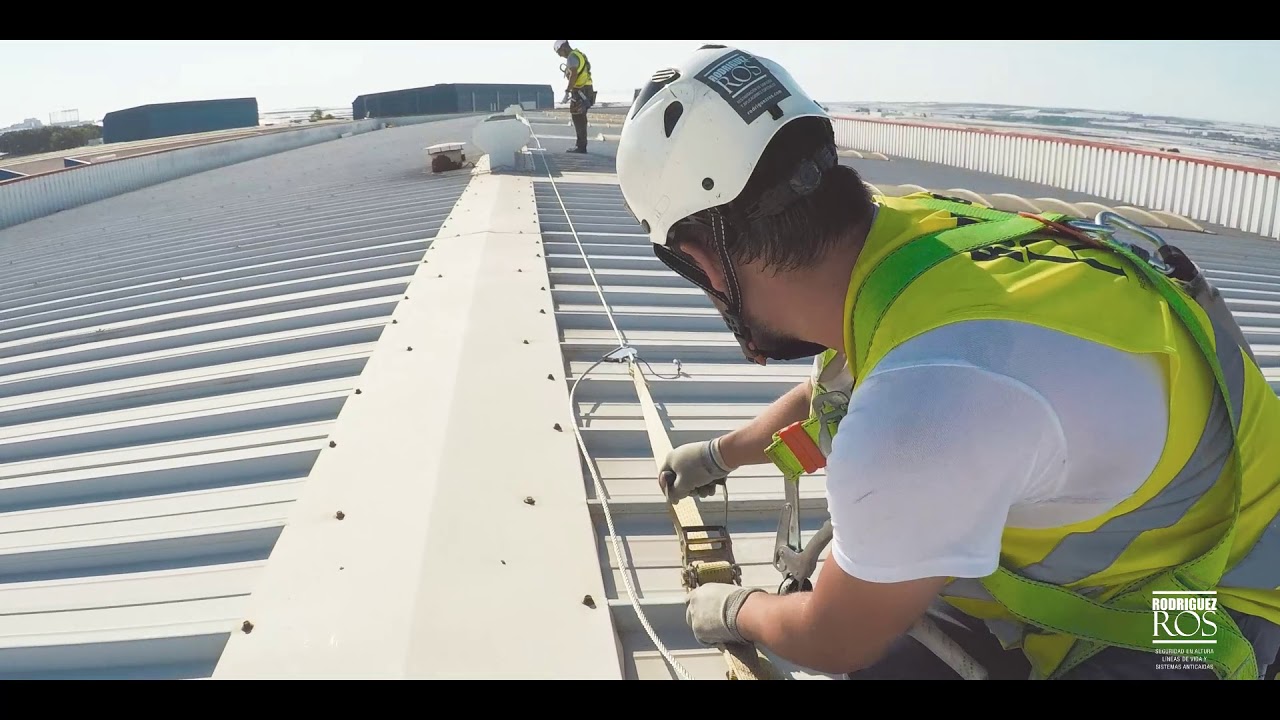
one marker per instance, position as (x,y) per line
(978,425)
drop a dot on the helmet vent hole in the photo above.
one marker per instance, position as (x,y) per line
(708,183)
(775,112)
(671,116)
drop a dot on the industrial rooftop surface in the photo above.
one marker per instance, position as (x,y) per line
(51,161)
(306,416)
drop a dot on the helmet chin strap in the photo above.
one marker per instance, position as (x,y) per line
(805,180)
(732,314)
(732,300)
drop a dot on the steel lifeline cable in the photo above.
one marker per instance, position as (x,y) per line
(745,662)
(706,550)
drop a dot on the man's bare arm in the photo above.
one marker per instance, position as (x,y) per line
(745,446)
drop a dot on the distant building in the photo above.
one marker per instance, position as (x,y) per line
(147,122)
(65,118)
(27,124)
(447,98)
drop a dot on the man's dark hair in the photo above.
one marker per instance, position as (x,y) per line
(840,210)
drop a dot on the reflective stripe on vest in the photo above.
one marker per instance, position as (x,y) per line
(900,291)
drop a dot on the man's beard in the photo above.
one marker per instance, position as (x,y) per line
(767,343)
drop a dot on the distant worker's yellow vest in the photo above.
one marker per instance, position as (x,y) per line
(1184,508)
(584,70)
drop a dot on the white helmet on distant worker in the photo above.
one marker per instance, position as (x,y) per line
(559,44)
(696,131)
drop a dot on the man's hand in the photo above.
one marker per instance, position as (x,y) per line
(696,467)
(712,612)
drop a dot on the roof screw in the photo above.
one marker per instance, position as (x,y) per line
(550,376)
(558,428)
(409,349)
(357,391)
(246,627)
(504,562)
(543,288)
(589,601)
(339,514)
(542,312)
(395,322)
(333,443)
(406,297)
(519,270)
(528,500)
(537,254)
(526,342)
(440,276)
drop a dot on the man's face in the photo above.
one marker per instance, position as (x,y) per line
(767,340)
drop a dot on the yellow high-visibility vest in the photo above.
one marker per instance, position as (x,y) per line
(1062,594)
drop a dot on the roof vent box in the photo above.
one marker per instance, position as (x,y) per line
(451,150)
(445,156)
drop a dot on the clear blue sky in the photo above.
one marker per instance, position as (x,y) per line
(1207,79)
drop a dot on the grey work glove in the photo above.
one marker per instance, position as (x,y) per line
(696,467)
(712,612)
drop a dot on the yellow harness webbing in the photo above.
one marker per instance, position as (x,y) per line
(706,551)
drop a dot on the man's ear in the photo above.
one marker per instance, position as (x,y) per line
(706,260)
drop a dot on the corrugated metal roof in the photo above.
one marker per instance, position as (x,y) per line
(170,363)
(666,318)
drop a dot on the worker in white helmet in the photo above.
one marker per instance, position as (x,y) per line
(1025,427)
(579,92)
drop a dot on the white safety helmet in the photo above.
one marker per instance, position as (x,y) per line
(690,142)
(559,44)
(694,134)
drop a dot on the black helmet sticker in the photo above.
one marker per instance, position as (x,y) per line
(745,83)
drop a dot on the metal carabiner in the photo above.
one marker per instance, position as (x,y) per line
(1090,227)
(1108,217)
(1106,223)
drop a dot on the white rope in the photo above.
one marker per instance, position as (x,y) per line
(622,341)
(679,669)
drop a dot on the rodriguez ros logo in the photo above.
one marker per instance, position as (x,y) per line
(1184,617)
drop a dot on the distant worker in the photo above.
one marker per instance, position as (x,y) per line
(1023,421)
(579,93)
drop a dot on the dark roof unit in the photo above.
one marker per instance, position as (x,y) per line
(452,98)
(147,122)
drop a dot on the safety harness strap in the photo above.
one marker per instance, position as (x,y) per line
(964,209)
(706,551)
(795,450)
(900,268)
(1123,621)
(1233,657)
